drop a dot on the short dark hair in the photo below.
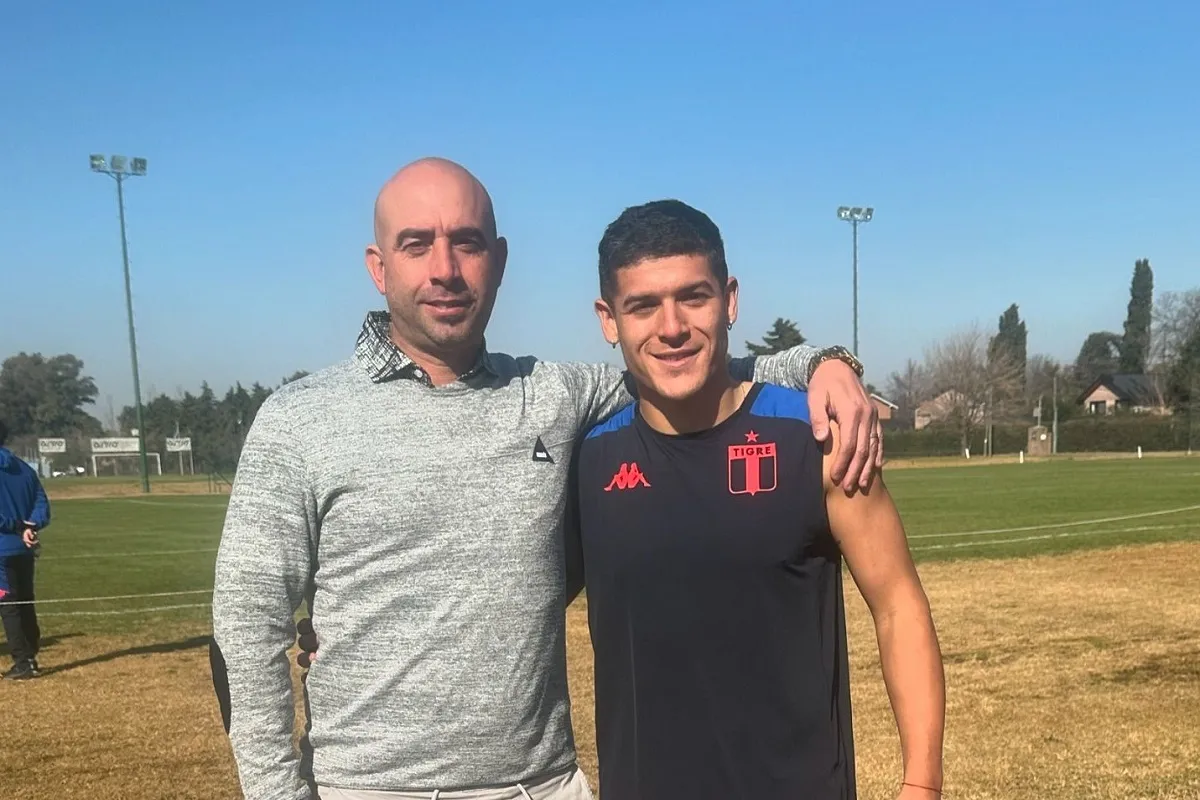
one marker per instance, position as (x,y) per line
(659,229)
(3,433)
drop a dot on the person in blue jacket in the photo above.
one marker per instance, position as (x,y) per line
(24,510)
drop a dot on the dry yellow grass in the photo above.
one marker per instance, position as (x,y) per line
(1069,677)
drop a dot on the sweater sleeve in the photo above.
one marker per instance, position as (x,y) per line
(791,368)
(597,390)
(263,571)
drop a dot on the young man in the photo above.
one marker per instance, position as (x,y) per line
(24,510)
(713,538)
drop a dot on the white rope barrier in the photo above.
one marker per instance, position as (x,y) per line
(109,597)
(1051,525)
(122,611)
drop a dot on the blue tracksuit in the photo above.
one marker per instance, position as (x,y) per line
(22,499)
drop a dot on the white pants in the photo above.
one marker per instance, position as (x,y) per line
(569,785)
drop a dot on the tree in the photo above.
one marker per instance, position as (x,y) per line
(1135,344)
(1183,382)
(1176,316)
(217,426)
(1041,374)
(1175,347)
(1099,355)
(42,396)
(784,335)
(968,374)
(908,389)
(1009,344)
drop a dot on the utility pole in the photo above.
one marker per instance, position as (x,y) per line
(1193,413)
(987,429)
(1054,433)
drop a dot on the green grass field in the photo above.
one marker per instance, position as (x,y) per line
(1066,678)
(165,545)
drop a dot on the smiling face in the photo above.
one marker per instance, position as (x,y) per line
(437,260)
(671,317)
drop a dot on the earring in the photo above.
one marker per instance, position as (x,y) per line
(614,344)
(729,327)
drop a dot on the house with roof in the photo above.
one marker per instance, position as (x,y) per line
(942,407)
(1124,392)
(884,407)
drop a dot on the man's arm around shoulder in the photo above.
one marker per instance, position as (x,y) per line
(871,536)
(263,571)
(832,378)
(594,391)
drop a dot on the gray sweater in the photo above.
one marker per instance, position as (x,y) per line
(423,526)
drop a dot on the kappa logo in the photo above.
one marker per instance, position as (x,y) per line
(540,453)
(752,466)
(627,477)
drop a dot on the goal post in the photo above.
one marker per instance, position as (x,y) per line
(99,458)
(181,445)
(112,449)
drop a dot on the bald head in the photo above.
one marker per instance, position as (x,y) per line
(438,260)
(431,185)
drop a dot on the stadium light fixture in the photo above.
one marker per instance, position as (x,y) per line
(855,215)
(119,168)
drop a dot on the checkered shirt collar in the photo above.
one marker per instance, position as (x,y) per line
(384,361)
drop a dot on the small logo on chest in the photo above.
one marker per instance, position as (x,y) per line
(540,453)
(752,466)
(627,477)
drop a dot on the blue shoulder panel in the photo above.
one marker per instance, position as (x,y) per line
(779,401)
(621,419)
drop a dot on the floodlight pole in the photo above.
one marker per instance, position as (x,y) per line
(118,174)
(855,228)
(854,216)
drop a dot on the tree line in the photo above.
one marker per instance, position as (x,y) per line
(978,379)
(53,397)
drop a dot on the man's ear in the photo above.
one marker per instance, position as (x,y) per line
(608,322)
(501,259)
(374,261)
(731,300)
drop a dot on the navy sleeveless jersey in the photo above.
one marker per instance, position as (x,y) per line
(714,592)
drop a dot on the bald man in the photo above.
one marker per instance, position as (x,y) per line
(413,495)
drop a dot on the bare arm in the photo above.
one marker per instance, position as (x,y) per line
(868,529)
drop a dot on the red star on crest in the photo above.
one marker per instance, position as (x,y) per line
(751,437)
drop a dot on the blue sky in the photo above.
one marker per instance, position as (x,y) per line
(1014,152)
